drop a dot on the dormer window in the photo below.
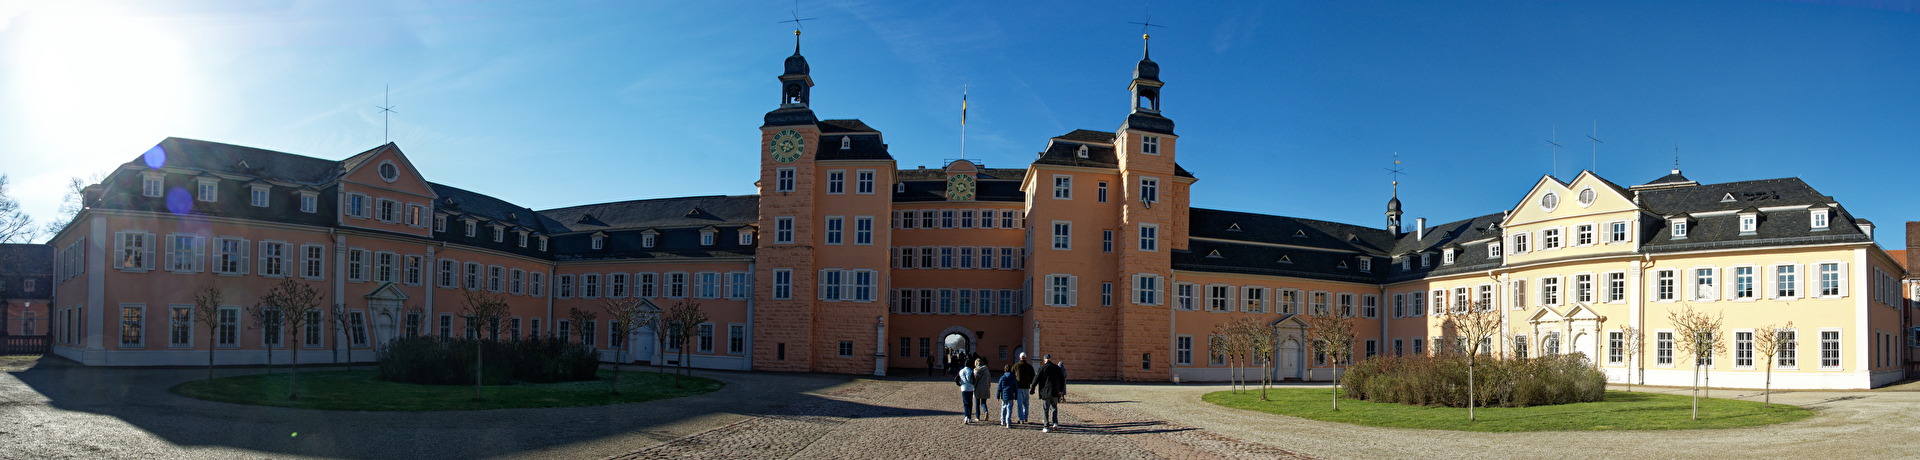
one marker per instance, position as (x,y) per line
(1679,228)
(1366,264)
(1493,249)
(258,195)
(523,238)
(209,190)
(1446,257)
(746,236)
(599,242)
(648,238)
(440,223)
(1820,218)
(1426,260)
(309,202)
(846,142)
(707,236)
(473,228)
(1150,145)
(1749,223)
(153,184)
(1082,153)
(499,234)
(543,243)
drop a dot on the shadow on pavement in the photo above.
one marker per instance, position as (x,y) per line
(1122,428)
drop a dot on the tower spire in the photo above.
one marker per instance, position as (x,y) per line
(1393,204)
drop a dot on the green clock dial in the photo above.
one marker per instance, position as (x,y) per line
(786,146)
(960,188)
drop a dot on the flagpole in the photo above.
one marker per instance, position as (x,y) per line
(963,122)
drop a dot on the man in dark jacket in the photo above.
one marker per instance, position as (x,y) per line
(1023,374)
(1051,384)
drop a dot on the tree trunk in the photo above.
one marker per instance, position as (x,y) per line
(212,341)
(1696,390)
(616,363)
(1336,384)
(479,362)
(293,377)
(1471,396)
(1767,394)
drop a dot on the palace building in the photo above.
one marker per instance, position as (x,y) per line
(845,262)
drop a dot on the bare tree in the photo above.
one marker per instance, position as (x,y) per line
(1633,340)
(481,307)
(1229,341)
(270,320)
(295,300)
(683,318)
(1700,339)
(15,225)
(1768,341)
(1332,333)
(206,309)
(70,204)
(1475,325)
(625,316)
(1261,343)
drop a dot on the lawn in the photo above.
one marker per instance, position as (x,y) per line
(363,391)
(1621,411)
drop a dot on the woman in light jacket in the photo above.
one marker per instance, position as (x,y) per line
(983,386)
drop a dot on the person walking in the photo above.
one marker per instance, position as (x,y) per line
(1023,373)
(1009,393)
(1051,384)
(966,382)
(982,385)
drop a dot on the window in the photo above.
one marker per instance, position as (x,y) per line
(782,283)
(1150,145)
(1100,191)
(1703,284)
(1493,249)
(746,236)
(783,180)
(1417,305)
(1679,228)
(1062,187)
(863,230)
(1183,350)
(1520,243)
(1106,294)
(257,195)
(413,272)
(1549,239)
(1663,285)
(439,224)
(180,327)
(1830,276)
(1062,290)
(357,321)
(1616,287)
(783,230)
(707,285)
(1149,237)
(1062,235)
(1550,290)
(1583,288)
(135,250)
(413,324)
(448,267)
(1520,346)
(737,340)
(383,266)
(388,210)
(1419,345)
(1370,305)
(863,182)
(309,202)
(1743,283)
(707,237)
(1583,234)
(414,213)
(230,256)
(1253,299)
(273,258)
(1106,241)
(836,182)
(677,285)
(472,228)
(184,252)
(1786,281)
(228,334)
(516,281)
(1788,357)
(564,331)
(704,332)
(1007,219)
(152,185)
(947,219)
(1183,296)
(1219,297)
(846,349)
(1663,348)
(472,276)
(1748,223)
(929,219)
(1616,347)
(563,286)
(1829,349)
(536,284)
(597,242)
(1617,232)
(132,326)
(1743,349)
(1819,217)
(209,190)
(1446,256)
(1399,305)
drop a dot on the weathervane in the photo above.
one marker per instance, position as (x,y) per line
(385,110)
(1146,22)
(796,25)
(1395,171)
(1554,132)
(1595,137)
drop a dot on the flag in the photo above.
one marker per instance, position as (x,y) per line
(963,106)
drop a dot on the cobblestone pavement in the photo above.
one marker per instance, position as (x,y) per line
(921,419)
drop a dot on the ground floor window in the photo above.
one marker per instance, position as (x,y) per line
(846,349)
(1183,350)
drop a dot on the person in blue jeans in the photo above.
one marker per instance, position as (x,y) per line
(1023,373)
(965,380)
(1009,393)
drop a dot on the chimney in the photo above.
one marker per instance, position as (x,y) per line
(1913,247)
(1419,228)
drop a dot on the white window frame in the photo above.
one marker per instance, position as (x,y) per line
(1062,187)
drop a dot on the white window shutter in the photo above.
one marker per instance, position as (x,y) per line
(120,250)
(242,257)
(146,246)
(1800,283)
(1843,279)
(199,253)
(1073,290)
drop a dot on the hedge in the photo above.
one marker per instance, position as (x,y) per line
(447,361)
(1442,381)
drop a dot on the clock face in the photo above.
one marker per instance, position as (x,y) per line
(960,188)
(786,146)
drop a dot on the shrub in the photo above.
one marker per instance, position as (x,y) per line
(445,361)
(1442,381)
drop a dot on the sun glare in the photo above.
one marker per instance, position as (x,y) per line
(98,84)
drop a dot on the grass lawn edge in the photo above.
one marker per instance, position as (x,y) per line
(1622,411)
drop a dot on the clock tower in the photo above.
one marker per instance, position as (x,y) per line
(784,278)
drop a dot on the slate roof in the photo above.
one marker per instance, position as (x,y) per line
(1457,235)
(462,202)
(1065,150)
(866,142)
(925,184)
(695,211)
(191,154)
(19,262)
(1322,250)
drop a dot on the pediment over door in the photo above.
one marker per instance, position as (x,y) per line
(387,291)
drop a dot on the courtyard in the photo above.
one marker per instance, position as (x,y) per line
(52,409)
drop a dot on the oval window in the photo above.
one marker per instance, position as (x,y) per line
(1549,201)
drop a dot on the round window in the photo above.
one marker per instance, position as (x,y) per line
(1586,197)
(1549,201)
(389,172)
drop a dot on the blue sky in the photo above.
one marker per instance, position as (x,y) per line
(1292,108)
